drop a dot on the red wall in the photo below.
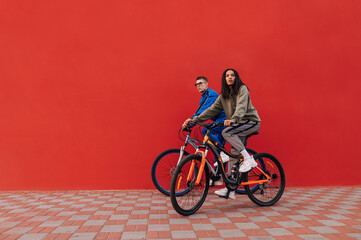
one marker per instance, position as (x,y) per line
(92,91)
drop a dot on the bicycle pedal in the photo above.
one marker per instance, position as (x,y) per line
(225,197)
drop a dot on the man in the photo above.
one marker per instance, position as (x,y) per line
(208,97)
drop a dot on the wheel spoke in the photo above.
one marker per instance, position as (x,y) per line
(163,168)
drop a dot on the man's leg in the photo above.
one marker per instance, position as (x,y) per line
(216,134)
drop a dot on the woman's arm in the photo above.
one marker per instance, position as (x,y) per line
(241,105)
(208,100)
(210,112)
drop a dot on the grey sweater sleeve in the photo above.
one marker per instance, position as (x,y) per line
(241,105)
(210,112)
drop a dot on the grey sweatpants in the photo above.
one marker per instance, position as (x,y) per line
(236,135)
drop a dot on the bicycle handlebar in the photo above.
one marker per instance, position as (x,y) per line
(208,125)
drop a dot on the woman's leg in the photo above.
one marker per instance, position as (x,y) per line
(234,134)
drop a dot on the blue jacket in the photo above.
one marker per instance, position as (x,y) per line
(207,99)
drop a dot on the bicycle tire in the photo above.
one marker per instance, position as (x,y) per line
(189,202)
(269,192)
(163,168)
(240,189)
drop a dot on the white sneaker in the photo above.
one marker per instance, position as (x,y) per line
(225,158)
(248,164)
(223,192)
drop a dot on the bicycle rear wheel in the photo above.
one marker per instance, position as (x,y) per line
(163,168)
(186,197)
(269,192)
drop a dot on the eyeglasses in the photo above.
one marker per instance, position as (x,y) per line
(198,84)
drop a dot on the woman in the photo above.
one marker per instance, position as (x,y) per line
(242,119)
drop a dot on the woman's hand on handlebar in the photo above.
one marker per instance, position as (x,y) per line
(186,123)
(227,123)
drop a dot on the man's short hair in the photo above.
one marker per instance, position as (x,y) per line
(202,77)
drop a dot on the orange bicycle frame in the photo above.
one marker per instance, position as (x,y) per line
(258,181)
(203,163)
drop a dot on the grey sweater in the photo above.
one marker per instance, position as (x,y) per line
(238,107)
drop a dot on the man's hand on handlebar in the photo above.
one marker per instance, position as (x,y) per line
(186,123)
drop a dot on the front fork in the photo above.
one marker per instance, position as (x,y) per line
(201,168)
(181,153)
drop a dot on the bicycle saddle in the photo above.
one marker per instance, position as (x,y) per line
(254,133)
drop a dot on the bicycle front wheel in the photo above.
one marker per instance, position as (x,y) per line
(270,192)
(186,196)
(163,168)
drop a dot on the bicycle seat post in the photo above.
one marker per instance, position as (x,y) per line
(239,178)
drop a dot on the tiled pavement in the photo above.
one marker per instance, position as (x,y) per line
(302,213)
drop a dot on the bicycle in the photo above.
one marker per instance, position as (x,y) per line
(190,180)
(165,163)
